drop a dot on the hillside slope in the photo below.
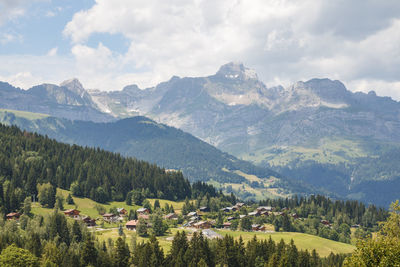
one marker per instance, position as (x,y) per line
(166,146)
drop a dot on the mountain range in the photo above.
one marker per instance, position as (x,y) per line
(316,131)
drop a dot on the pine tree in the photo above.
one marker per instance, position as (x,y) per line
(70,200)
(141,228)
(120,230)
(89,253)
(121,253)
(27,206)
(156,204)
(76,232)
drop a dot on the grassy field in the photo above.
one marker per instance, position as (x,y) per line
(325,151)
(25,114)
(258,193)
(88,207)
(176,204)
(303,241)
(164,241)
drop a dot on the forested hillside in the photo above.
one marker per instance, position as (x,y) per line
(27,160)
(165,146)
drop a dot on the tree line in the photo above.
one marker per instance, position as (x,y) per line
(55,241)
(28,160)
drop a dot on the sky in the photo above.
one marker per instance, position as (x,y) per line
(108,44)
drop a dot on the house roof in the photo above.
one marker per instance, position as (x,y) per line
(70,210)
(142,209)
(12,214)
(132,223)
(108,215)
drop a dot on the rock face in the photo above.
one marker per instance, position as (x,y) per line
(239,114)
(69,100)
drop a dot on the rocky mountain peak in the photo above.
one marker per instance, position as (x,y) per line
(326,89)
(236,70)
(74,85)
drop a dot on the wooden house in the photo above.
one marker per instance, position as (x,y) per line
(227,225)
(89,222)
(13,216)
(204,209)
(131,225)
(294,215)
(258,227)
(122,211)
(143,211)
(254,213)
(171,216)
(264,208)
(202,225)
(326,223)
(109,217)
(73,213)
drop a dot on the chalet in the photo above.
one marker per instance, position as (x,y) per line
(122,211)
(89,222)
(239,204)
(73,213)
(144,216)
(230,218)
(295,215)
(229,209)
(109,217)
(131,225)
(204,209)
(13,216)
(189,224)
(194,218)
(143,211)
(227,225)
(326,223)
(355,226)
(254,213)
(258,227)
(264,213)
(242,216)
(191,214)
(171,216)
(264,208)
(202,225)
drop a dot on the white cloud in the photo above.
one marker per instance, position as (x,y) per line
(284,40)
(52,52)
(50,14)
(26,71)
(12,9)
(9,37)
(356,42)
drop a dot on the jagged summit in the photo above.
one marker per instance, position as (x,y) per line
(236,70)
(74,85)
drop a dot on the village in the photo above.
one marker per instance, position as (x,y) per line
(237,217)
